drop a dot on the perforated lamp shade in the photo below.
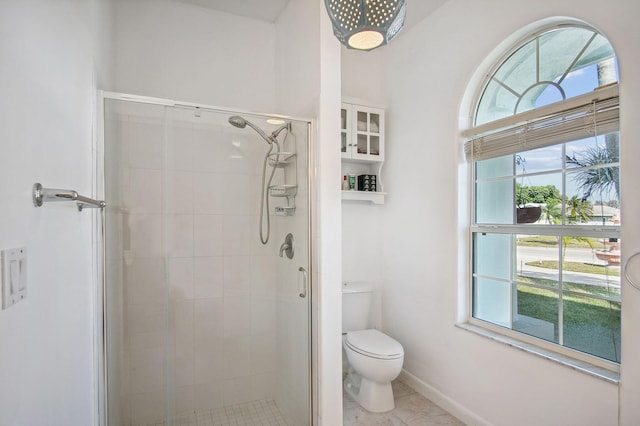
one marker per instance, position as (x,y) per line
(366,24)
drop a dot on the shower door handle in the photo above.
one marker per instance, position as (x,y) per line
(304,282)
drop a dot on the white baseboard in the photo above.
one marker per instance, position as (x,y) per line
(454,408)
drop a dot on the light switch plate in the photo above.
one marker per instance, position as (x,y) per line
(14,275)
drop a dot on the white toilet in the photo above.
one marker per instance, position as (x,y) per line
(375,359)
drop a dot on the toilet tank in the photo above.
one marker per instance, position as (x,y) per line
(356,303)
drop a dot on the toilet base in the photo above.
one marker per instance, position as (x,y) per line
(372,396)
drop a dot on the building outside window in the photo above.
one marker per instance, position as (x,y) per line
(544,157)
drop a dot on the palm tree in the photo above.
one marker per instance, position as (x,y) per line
(598,179)
(607,74)
(567,239)
(580,210)
(552,211)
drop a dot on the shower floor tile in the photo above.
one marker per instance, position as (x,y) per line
(255,413)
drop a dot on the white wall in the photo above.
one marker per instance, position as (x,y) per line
(362,246)
(428,70)
(362,77)
(308,84)
(189,53)
(297,57)
(50,69)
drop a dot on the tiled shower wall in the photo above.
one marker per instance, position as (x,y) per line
(199,325)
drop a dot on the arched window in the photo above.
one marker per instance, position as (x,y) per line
(544,156)
(553,66)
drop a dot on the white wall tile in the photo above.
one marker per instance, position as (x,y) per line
(263,276)
(209,320)
(237,390)
(145,318)
(147,407)
(235,190)
(115,230)
(183,321)
(147,369)
(264,350)
(208,149)
(263,315)
(143,194)
(237,232)
(209,277)
(239,149)
(180,192)
(145,144)
(180,233)
(208,395)
(145,235)
(144,281)
(184,399)
(208,235)
(124,410)
(181,277)
(208,360)
(179,147)
(183,362)
(237,316)
(255,192)
(275,238)
(237,275)
(153,339)
(263,386)
(237,357)
(208,191)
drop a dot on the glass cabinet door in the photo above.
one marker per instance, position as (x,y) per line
(369,133)
(344,131)
(361,132)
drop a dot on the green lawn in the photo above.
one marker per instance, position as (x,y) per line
(590,325)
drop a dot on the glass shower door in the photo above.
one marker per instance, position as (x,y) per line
(204,323)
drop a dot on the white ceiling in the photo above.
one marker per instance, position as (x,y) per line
(269,10)
(266,10)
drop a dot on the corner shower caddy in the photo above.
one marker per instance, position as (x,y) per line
(287,162)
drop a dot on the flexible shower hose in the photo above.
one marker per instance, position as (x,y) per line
(265,189)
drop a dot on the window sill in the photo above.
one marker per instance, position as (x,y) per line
(581,366)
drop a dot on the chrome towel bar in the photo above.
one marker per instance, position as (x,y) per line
(40,195)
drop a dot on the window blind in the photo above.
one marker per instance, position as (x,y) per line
(574,119)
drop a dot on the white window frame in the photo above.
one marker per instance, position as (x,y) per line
(476,148)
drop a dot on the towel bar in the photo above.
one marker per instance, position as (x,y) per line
(40,195)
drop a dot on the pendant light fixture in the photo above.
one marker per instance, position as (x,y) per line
(366,24)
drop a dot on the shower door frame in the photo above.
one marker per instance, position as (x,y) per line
(99,247)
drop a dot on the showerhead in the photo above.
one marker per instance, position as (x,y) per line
(241,123)
(238,121)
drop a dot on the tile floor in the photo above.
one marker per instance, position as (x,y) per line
(256,413)
(412,409)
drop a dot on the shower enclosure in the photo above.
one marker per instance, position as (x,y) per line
(204,324)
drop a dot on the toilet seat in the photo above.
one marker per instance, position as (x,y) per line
(374,344)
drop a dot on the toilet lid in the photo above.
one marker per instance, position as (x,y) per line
(374,343)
